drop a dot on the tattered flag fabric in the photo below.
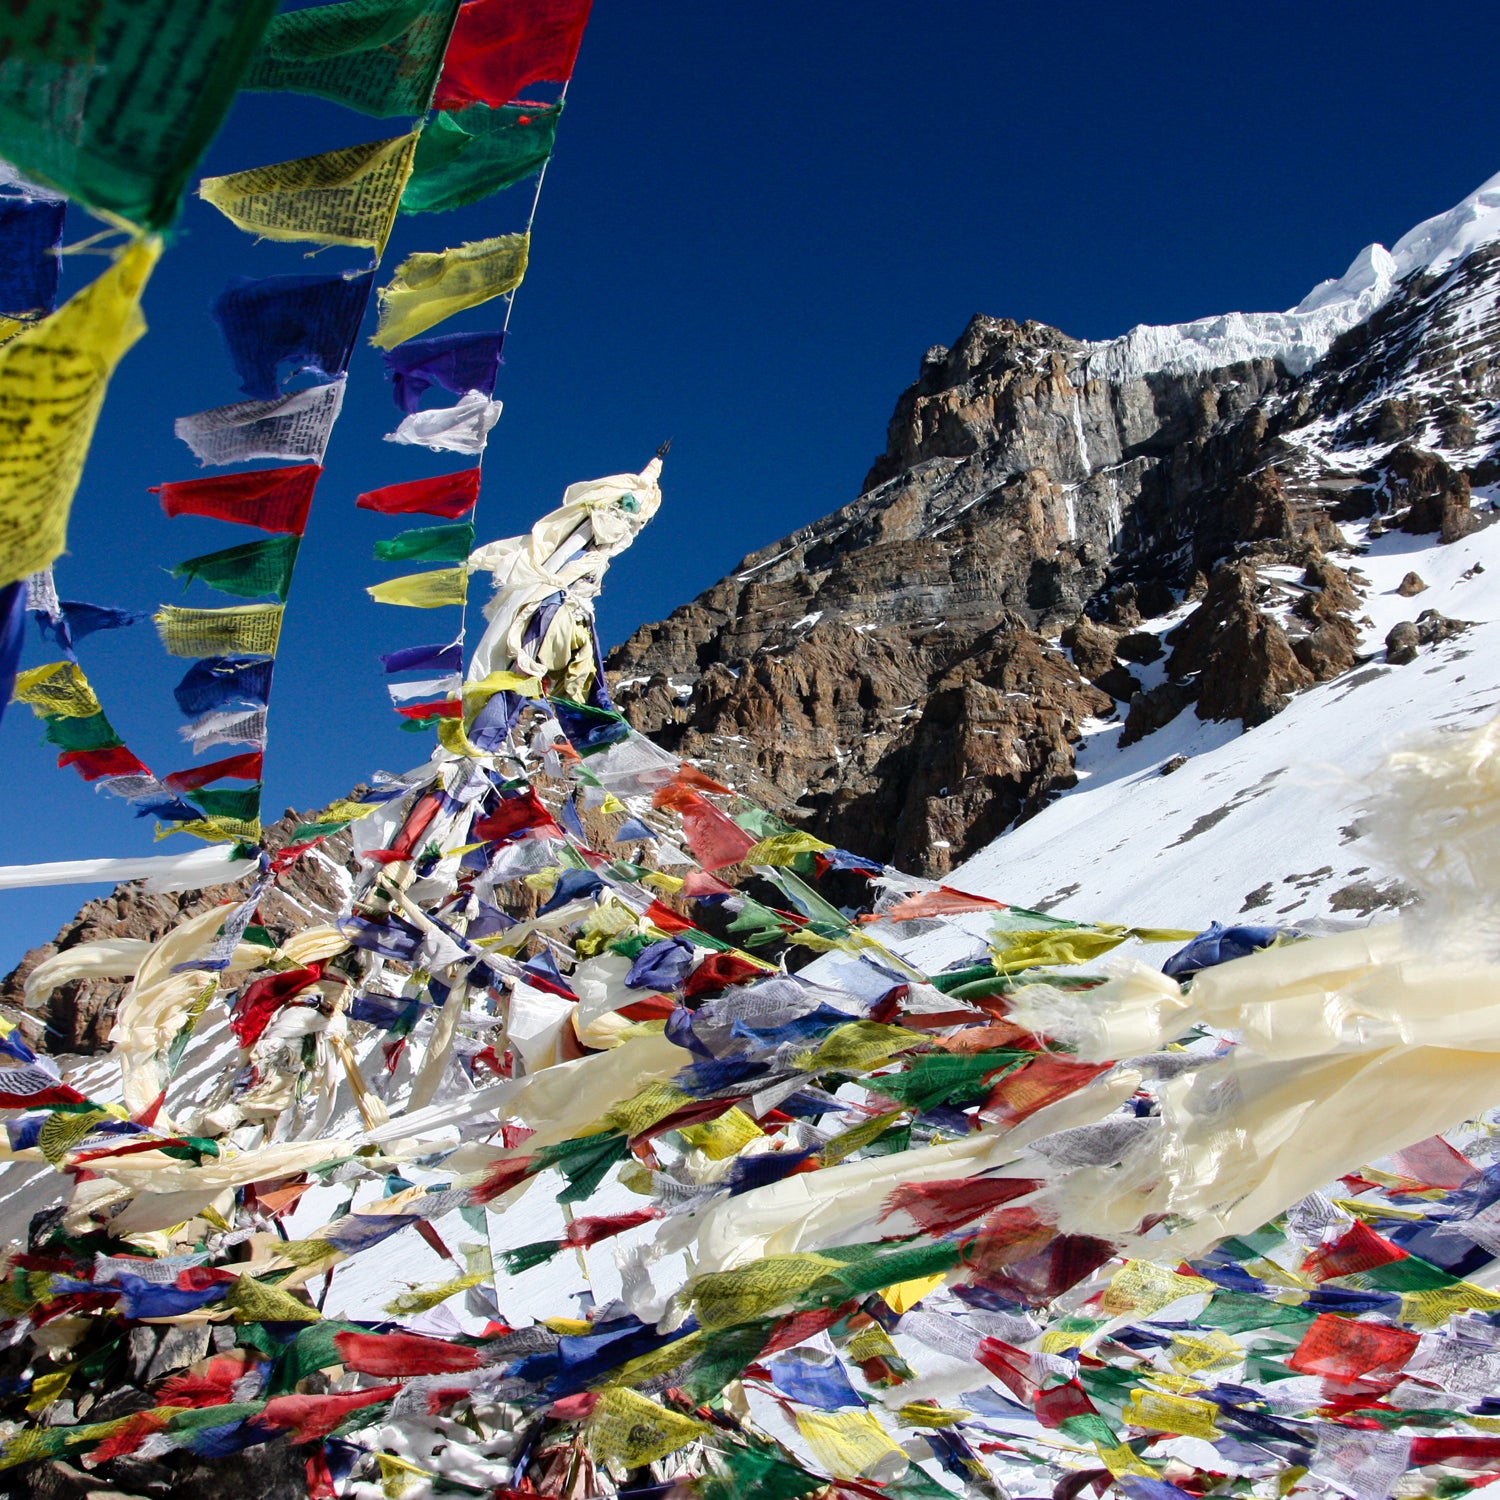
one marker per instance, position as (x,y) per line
(294,427)
(463,427)
(233,726)
(31,230)
(52,381)
(249,570)
(428,287)
(424,659)
(447,495)
(344,197)
(499,46)
(380,57)
(456,362)
(272,499)
(218,681)
(423,590)
(451,543)
(252,629)
(59,687)
(113,101)
(465,156)
(308,323)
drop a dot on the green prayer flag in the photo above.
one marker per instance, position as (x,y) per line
(467,155)
(114,101)
(380,57)
(451,543)
(243,805)
(248,570)
(93,733)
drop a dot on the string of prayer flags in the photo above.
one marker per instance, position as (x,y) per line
(250,630)
(249,570)
(451,543)
(31,231)
(344,197)
(307,322)
(114,101)
(53,376)
(380,57)
(447,495)
(465,156)
(423,590)
(292,427)
(430,286)
(271,499)
(457,362)
(499,46)
(463,427)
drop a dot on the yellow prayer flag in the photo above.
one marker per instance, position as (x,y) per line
(250,630)
(849,1444)
(214,830)
(429,287)
(52,381)
(346,197)
(1159,1412)
(725,1136)
(1140,1286)
(423,590)
(626,1430)
(905,1295)
(57,688)
(783,849)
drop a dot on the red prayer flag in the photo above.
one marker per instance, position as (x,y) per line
(1359,1248)
(1346,1350)
(1433,1163)
(944,901)
(401,1354)
(272,499)
(499,46)
(308,1418)
(715,838)
(253,1010)
(97,765)
(1021,1094)
(941,1207)
(246,767)
(515,815)
(717,972)
(446,495)
(448,708)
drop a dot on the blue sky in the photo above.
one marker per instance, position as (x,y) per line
(756,221)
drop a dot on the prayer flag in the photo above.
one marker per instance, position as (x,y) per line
(272,499)
(344,197)
(249,570)
(451,543)
(423,659)
(446,495)
(30,232)
(499,46)
(423,590)
(295,426)
(114,101)
(98,765)
(429,287)
(461,428)
(219,680)
(252,629)
(457,362)
(380,57)
(307,322)
(59,687)
(466,156)
(245,767)
(52,381)
(233,726)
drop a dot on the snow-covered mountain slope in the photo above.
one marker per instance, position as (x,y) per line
(1302,335)
(1260,826)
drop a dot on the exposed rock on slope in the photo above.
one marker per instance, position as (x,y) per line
(1035,487)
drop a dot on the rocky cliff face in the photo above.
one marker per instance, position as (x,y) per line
(912,673)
